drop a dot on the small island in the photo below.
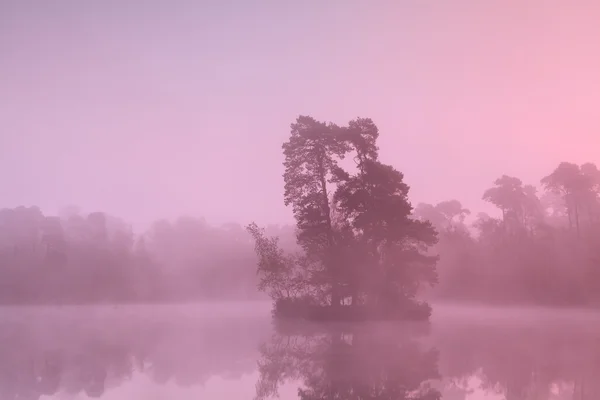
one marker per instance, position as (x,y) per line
(361,255)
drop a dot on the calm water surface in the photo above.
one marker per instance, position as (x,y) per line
(233,351)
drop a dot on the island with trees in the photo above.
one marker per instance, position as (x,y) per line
(361,254)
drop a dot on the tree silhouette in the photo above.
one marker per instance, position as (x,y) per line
(361,246)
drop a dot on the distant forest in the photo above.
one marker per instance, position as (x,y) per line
(95,257)
(543,249)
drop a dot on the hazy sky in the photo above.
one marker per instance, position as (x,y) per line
(159,108)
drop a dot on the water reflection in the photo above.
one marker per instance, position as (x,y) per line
(378,361)
(68,351)
(153,353)
(529,357)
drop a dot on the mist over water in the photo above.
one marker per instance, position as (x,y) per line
(231,350)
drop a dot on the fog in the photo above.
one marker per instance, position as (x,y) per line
(304,200)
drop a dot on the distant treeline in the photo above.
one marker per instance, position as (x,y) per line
(543,249)
(95,257)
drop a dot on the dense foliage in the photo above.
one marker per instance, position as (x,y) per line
(359,244)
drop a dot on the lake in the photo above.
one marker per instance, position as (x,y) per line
(234,351)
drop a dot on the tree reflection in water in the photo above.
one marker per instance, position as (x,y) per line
(552,359)
(68,351)
(60,352)
(373,361)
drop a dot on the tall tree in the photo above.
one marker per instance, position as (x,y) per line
(453,212)
(311,167)
(591,195)
(576,185)
(375,201)
(359,239)
(445,216)
(507,194)
(520,206)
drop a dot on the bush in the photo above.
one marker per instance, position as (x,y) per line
(305,308)
(291,307)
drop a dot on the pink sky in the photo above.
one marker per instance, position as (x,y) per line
(159,108)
